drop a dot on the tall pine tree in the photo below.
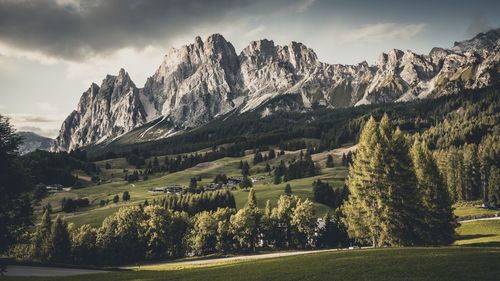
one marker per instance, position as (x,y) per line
(364,209)
(439,220)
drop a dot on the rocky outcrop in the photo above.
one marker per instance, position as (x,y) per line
(103,112)
(198,82)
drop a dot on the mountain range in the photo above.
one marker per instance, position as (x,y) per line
(207,79)
(32,142)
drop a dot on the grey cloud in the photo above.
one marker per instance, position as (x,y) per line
(75,30)
(39,131)
(29,118)
(479,23)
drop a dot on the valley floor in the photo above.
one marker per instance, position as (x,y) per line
(441,263)
(479,260)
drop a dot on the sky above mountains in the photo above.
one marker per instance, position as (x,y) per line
(51,50)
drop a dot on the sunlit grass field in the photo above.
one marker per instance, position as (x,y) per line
(265,188)
(416,264)
(479,233)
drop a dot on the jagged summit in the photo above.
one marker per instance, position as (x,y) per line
(205,79)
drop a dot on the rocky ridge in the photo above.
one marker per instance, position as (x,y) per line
(201,81)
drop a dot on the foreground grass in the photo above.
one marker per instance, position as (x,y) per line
(451,263)
(479,233)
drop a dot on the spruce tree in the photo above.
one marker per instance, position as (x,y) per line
(439,220)
(252,199)
(472,179)
(329,161)
(404,205)
(39,243)
(268,209)
(364,211)
(59,242)
(288,189)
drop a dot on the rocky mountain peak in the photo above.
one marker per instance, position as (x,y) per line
(200,81)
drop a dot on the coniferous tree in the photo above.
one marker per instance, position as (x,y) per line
(268,168)
(116,198)
(252,199)
(288,189)
(40,241)
(59,242)
(472,177)
(329,161)
(126,196)
(364,210)
(245,170)
(268,209)
(304,222)
(494,186)
(344,160)
(271,154)
(246,182)
(439,221)
(15,187)
(404,205)
(257,158)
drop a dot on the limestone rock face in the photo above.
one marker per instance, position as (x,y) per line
(103,112)
(198,82)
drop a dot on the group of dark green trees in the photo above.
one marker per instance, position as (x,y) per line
(154,231)
(193,203)
(397,196)
(299,168)
(472,172)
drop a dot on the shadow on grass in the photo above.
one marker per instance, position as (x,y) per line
(483,244)
(474,236)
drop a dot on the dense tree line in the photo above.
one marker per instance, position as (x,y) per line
(396,196)
(16,186)
(299,168)
(177,163)
(69,205)
(470,172)
(477,109)
(193,203)
(150,232)
(56,168)
(326,194)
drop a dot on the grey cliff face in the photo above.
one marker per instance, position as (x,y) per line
(198,82)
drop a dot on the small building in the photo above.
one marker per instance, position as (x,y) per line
(54,188)
(170,189)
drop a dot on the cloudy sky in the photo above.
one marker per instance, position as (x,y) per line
(51,50)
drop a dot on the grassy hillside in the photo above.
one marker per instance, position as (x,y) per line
(264,187)
(452,263)
(479,233)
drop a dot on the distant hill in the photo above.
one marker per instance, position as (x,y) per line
(32,142)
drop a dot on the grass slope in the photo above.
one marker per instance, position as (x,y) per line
(451,263)
(479,233)
(265,189)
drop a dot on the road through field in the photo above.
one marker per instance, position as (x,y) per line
(41,271)
(228,259)
(483,219)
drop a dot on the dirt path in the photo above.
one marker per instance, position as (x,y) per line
(40,271)
(237,258)
(483,219)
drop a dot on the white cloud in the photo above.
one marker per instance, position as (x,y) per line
(46,106)
(384,31)
(140,64)
(253,32)
(43,124)
(303,6)
(51,133)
